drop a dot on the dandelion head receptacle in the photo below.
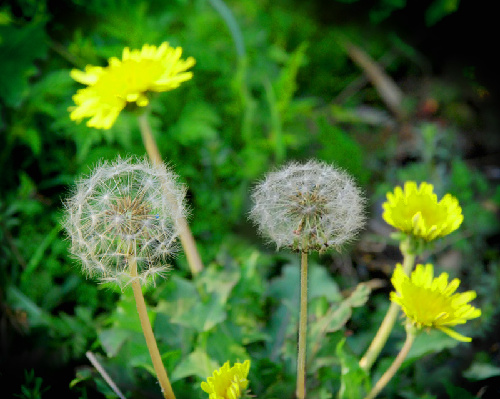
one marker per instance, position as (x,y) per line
(109,89)
(119,213)
(308,207)
(430,302)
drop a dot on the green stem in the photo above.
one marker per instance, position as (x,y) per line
(161,373)
(187,239)
(396,364)
(387,325)
(232,25)
(301,357)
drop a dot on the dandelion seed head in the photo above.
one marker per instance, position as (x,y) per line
(125,209)
(308,207)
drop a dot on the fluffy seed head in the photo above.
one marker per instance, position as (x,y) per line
(308,207)
(125,210)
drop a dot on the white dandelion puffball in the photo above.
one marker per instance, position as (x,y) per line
(308,207)
(122,211)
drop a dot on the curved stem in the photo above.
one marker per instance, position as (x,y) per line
(396,364)
(301,357)
(161,373)
(187,239)
(387,325)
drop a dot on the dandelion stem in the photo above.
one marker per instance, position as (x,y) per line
(396,364)
(301,357)
(387,325)
(187,239)
(161,373)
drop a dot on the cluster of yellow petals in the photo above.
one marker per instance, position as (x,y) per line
(415,210)
(432,302)
(227,382)
(110,88)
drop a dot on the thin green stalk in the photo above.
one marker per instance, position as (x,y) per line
(232,25)
(396,364)
(301,357)
(161,373)
(187,239)
(387,325)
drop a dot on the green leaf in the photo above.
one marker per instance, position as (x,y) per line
(203,316)
(320,284)
(481,371)
(458,392)
(20,47)
(113,339)
(355,381)
(125,315)
(360,296)
(36,315)
(197,363)
(440,9)
(430,342)
(220,281)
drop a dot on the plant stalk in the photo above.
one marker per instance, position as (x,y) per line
(396,364)
(161,373)
(187,239)
(301,357)
(387,325)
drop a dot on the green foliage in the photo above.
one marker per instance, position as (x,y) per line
(32,387)
(355,381)
(20,47)
(271,84)
(481,371)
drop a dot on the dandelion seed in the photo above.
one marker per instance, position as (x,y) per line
(308,207)
(120,211)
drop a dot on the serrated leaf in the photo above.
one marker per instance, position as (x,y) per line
(360,296)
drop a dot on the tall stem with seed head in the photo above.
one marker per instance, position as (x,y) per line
(301,357)
(187,239)
(161,373)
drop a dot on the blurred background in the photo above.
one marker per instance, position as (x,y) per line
(389,90)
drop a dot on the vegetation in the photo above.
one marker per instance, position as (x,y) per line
(273,82)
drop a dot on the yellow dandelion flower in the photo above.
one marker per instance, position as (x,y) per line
(416,210)
(432,302)
(227,382)
(110,88)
